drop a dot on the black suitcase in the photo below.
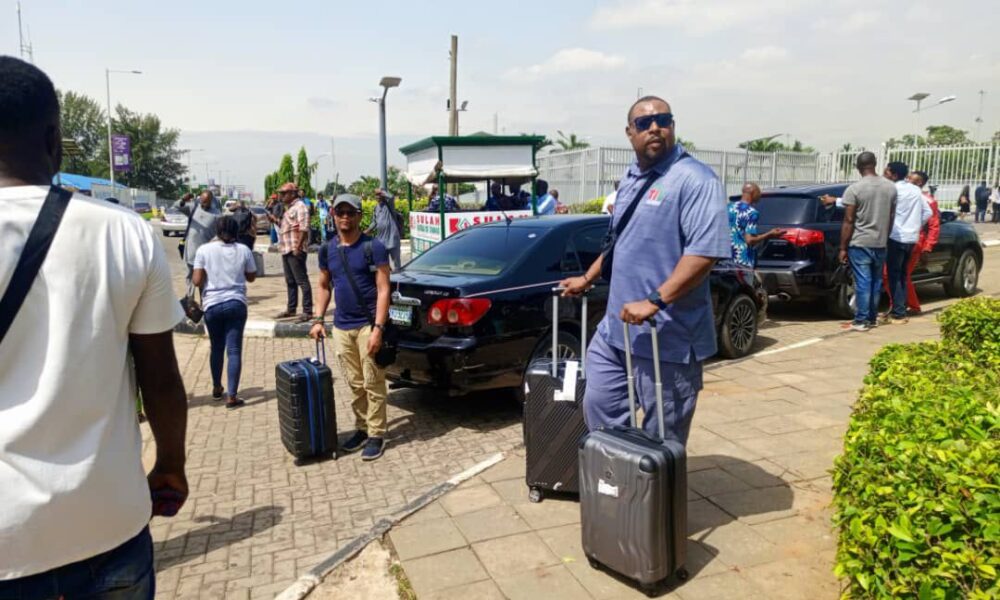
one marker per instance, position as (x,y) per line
(553,426)
(306,412)
(633,496)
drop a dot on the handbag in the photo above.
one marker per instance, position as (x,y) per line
(33,255)
(191,307)
(615,231)
(386,354)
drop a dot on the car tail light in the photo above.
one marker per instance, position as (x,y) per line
(803,237)
(459,312)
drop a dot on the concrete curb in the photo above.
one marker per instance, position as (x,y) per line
(254,329)
(305,584)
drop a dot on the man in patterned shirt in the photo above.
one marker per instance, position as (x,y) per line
(293,240)
(743,217)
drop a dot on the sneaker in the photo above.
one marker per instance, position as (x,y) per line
(860,327)
(894,320)
(355,442)
(872,324)
(373,449)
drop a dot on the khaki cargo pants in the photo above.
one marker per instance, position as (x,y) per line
(365,379)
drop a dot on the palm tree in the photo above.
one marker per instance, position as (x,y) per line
(570,142)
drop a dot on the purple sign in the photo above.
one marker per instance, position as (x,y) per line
(121,152)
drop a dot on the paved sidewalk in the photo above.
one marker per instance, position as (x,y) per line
(764,437)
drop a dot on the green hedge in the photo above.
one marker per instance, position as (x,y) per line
(917,489)
(975,324)
(590,207)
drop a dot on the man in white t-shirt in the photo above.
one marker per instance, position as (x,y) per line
(608,206)
(74,500)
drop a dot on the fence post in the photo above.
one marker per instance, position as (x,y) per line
(724,172)
(599,188)
(990,162)
(774,168)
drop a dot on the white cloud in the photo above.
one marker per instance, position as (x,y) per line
(568,60)
(696,16)
(764,54)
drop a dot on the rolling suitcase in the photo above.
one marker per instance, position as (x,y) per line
(553,420)
(306,414)
(633,495)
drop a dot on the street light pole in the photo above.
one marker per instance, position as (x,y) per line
(111,152)
(386,83)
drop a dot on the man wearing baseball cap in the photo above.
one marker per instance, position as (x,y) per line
(294,238)
(358,267)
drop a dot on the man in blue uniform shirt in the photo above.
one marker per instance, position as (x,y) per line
(660,275)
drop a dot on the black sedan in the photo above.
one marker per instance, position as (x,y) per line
(800,264)
(476,309)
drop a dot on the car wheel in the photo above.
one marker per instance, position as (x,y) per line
(965,278)
(842,302)
(568,349)
(739,327)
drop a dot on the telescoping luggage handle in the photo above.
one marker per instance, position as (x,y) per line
(656,378)
(556,291)
(320,351)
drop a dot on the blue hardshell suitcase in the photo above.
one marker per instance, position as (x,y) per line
(306,413)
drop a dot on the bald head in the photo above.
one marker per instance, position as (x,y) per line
(751,193)
(867,161)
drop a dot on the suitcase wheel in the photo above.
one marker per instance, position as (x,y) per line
(593,563)
(535,495)
(682,574)
(651,590)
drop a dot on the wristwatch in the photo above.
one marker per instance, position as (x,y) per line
(379,326)
(654,297)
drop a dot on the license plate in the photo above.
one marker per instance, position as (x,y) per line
(401,315)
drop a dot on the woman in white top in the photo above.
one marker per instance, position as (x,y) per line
(222,269)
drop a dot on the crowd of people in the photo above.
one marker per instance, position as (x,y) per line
(984,198)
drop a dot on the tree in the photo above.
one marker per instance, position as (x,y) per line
(688,144)
(85,123)
(285,172)
(570,142)
(333,188)
(937,135)
(303,174)
(774,145)
(996,137)
(155,158)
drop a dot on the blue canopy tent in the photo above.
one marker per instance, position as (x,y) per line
(82,182)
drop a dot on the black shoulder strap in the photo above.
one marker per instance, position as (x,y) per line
(623,222)
(369,256)
(354,284)
(31,259)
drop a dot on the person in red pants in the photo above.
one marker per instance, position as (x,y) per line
(928,239)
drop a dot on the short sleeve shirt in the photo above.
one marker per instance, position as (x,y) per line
(226,266)
(294,226)
(71,479)
(742,221)
(875,198)
(349,313)
(682,213)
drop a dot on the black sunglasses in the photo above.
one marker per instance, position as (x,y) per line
(662,120)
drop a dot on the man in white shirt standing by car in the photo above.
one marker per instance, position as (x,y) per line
(911,214)
(74,500)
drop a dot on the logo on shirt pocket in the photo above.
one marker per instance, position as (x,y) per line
(654,197)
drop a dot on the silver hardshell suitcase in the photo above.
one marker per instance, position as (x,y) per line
(633,495)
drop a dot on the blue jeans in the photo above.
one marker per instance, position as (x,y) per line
(274,234)
(225,323)
(895,265)
(980,214)
(123,573)
(866,263)
(605,402)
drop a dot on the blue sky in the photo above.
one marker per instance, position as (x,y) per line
(247,81)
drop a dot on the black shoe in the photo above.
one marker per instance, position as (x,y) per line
(217,393)
(373,449)
(304,318)
(285,314)
(355,442)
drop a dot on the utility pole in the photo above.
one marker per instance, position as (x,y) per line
(453,105)
(23,47)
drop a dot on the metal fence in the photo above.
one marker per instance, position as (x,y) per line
(950,168)
(582,175)
(126,196)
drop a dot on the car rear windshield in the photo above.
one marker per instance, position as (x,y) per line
(787,210)
(478,251)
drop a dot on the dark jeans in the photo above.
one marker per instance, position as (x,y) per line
(980,214)
(896,258)
(866,263)
(296,277)
(225,323)
(996,213)
(123,573)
